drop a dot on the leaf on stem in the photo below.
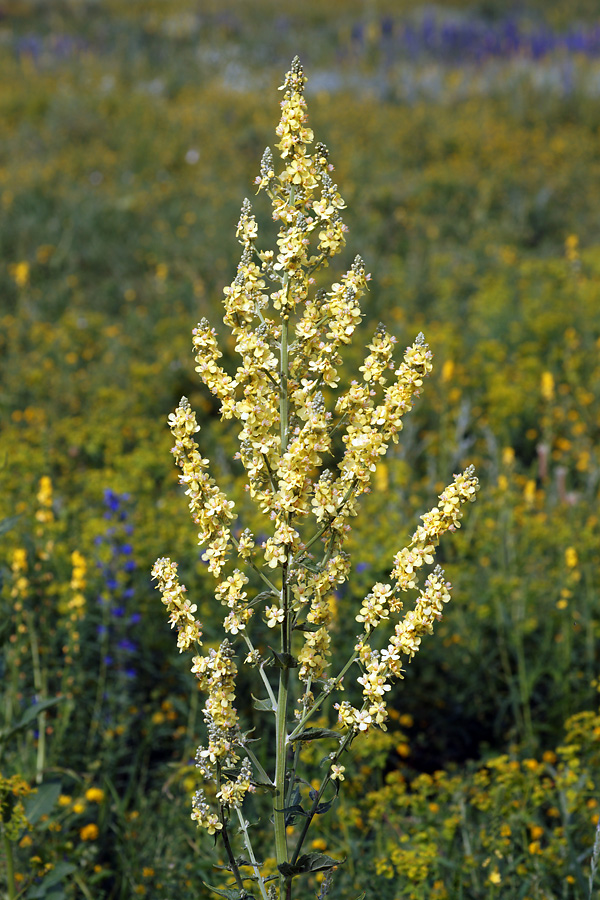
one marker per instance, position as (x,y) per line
(231,894)
(315,734)
(264,596)
(28,717)
(42,802)
(283,660)
(264,705)
(309,862)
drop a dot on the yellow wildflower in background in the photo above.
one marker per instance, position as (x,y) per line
(20,273)
(572,248)
(44,497)
(89,832)
(571,558)
(547,386)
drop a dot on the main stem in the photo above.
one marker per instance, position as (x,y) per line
(284,674)
(10,871)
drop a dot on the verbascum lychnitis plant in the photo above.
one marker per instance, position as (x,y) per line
(289,336)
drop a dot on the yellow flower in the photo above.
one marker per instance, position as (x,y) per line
(147,872)
(508,456)
(319,844)
(572,248)
(20,273)
(94,795)
(64,800)
(495,877)
(547,386)
(78,807)
(447,371)
(571,558)
(529,492)
(89,832)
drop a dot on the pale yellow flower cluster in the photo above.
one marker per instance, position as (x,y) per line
(232,793)
(209,506)
(327,323)
(230,593)
(181,611)
(202,815)
(443,517)
(216,673)
(313,589)
(383,602)
(370,428)
(429,607)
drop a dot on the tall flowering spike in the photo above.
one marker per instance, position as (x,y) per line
(444,517)
(209,507)
(288,336)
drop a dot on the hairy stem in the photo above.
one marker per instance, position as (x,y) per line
(248,843)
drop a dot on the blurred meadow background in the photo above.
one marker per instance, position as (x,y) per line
(466,143)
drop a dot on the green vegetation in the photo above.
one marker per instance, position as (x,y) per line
(131,134)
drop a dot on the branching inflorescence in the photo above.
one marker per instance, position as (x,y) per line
(289,337)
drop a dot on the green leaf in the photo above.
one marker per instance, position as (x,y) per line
(306,626)
(324,807)
(233,894)
(291,812)
(284,660)
(309,862)
(28,717)
(264,596)
(264,705)
(8,523)
(50,888)
(52,893)
(315,734)
(42,802)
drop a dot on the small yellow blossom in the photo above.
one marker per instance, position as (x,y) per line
(319,844)
(94,795)
(20,273)
(89,832)
(571,558)
(547,386)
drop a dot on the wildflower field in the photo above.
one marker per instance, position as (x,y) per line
(464,139)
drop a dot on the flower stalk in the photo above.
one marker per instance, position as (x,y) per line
(289,337)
